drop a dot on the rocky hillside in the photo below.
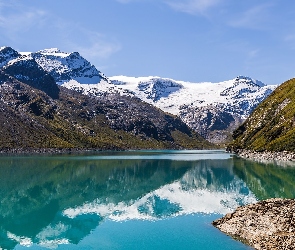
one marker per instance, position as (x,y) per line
(213,110)
(271,127)
(36,113)
(266,225)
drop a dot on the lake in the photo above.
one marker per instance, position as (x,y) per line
(130,200)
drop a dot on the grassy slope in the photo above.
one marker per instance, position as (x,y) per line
(272,124)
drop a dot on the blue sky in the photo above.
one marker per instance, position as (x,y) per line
(190,40)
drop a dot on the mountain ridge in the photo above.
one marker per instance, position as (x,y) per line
(37,113)
(213,110)
(271,126)
(229,102)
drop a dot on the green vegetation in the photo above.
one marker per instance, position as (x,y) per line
(271,126)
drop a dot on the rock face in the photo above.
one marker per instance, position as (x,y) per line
(268,224)
(26,70)
(7,54)
(214,122)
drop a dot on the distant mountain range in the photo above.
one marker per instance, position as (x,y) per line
(35,112)
(213,110)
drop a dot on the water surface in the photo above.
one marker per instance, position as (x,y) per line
(130,200)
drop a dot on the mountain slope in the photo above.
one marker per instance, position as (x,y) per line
(37,113)
(65,67)
(213,110)
(27,70)
(7,54)
(272,124)
(202,106)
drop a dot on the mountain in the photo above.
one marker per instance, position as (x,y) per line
(27,70)
(37,113)
(7,54)
(213,110)
(65,67)
(271,127)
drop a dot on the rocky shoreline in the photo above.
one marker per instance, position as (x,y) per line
(268,224)
(266,156)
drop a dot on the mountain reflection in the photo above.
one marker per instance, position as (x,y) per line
(266,180)
(59,200)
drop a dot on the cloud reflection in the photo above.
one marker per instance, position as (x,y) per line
(175,199)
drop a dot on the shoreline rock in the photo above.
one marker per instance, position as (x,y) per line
(266,156)
(268,224)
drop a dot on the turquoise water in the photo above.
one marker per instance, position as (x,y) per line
(130,200)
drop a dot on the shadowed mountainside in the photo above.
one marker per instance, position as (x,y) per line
(31,118)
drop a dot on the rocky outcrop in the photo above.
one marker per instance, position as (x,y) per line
(26,70)
(215,122)
(7,54)
(268,224)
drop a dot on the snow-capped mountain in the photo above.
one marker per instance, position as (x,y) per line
(173,96)
(66,67)
(27,70)
(7,54)
(212,109)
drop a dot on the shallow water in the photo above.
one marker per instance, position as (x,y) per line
(130,200)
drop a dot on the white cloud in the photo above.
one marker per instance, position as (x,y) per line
(257,17)
(89,43)
(187,6)
(16,19)
(193,6)
(253,53)
(21,21)
(124,1)
(99,46)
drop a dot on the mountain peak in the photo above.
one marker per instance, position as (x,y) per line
(248,79)
(65,67)
(50,51)
(7,54)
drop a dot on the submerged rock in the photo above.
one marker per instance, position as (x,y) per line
(268,224)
